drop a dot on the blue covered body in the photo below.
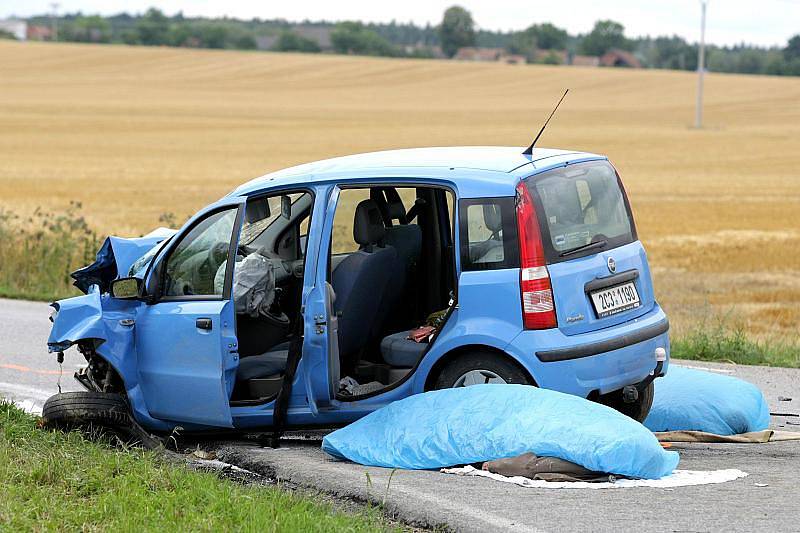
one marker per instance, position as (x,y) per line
(471,424)
(696,400)
(176,374)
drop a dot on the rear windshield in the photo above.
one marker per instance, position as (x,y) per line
(578,205)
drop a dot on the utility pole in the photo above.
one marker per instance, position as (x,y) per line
(54,21)
(701,65)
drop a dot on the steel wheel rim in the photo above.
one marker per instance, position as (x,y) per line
(477,377)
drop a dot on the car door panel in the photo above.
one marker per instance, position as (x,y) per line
(186,344)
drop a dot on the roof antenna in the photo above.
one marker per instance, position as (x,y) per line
(529,149)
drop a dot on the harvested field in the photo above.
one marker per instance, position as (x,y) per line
(133,133)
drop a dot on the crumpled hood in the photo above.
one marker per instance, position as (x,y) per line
(115,258)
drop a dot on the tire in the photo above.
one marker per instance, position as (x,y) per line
(637,410)
(70,410)
(480,365)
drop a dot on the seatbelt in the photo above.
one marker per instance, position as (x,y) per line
(282,401)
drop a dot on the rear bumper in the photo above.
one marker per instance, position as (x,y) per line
(606,345)
(602,361)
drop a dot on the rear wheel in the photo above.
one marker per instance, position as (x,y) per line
(637,410)
(86,409)
(480,367)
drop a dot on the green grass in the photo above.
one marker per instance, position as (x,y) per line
(726,343)
(38,252)
(52,481)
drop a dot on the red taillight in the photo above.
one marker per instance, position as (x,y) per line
(536,293)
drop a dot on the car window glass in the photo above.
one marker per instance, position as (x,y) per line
(485,233)
(582,204)
(193,264)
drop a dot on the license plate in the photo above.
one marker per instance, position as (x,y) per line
(615,299)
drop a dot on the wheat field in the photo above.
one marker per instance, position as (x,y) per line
(134,132)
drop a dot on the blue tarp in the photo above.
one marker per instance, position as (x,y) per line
(482,423)
(695,400)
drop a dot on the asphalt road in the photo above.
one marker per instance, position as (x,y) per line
(767,499)
(28,374)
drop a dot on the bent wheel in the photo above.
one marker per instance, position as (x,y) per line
(82,409)
(477,368)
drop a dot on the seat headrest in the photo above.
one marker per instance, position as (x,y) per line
(397,211)
(368,225)
(491,216)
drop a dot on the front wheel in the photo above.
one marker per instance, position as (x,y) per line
(71,410)
(478,368)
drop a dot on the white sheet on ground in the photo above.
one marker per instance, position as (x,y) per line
(679,478)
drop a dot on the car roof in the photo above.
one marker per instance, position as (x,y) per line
(495,162)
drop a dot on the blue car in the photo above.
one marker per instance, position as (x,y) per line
(315,295)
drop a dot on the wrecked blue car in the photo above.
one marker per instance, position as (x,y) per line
(315,295)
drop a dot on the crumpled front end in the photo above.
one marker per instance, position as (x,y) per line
(115,259)
(98,320)
(103,329)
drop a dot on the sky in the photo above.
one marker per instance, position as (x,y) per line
(762,22)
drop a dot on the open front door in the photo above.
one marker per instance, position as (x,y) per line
(186,341)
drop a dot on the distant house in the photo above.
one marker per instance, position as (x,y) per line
(514,59)
(424,50)
(583,61)
(17,28)
(266,42)
(472,53)
(320,34)
(619,58)
(39,33)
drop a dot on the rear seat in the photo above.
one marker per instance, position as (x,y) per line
(401,352)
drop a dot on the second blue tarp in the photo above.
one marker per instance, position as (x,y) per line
(687,399)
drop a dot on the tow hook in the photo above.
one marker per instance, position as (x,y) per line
(630,393)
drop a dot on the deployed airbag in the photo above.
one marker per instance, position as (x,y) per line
(253,285)
(689,399)
(486,422)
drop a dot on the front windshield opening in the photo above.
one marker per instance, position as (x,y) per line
(139,266)
(581,204)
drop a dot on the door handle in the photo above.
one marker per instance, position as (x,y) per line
(203,323)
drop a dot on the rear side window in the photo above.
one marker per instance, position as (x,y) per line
(578,205)
(488,234)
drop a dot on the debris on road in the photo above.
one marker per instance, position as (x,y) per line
(678,478)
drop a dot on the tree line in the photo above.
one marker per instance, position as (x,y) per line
(456,30)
